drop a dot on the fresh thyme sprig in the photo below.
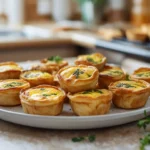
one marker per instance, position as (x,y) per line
(144,142)
(90,138)
(57,59)
(144,122)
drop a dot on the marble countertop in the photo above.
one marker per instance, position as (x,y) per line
(17,137)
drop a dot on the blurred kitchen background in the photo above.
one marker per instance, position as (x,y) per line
(34,29)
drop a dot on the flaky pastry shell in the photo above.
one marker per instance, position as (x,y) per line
(9,91)
(130,94)
(92,102)
(9,70)
(35,77)
(78,78)
(43,100)
(96,59)
(110,74)
(142,74)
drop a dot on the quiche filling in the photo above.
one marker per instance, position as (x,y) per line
(9,67)
(92,93)
(11,84)
(35,74)
(43,93)
(131,85)
(143,74)
(78,73)
(112,72)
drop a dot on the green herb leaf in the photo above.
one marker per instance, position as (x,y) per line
(125,85)
(92,91)
(57,59)
(45,95)
(144,142)
(77,73)
(13,84)
(78,139)
(92,138)
(144,122)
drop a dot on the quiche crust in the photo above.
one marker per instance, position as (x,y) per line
(142,74)
(43,100)
(35,77)
(96,59)
(78,78)
(9,91)
(110,74)
(9,70)
(92,102)
(130,94)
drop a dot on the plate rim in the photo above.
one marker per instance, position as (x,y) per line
(84,118)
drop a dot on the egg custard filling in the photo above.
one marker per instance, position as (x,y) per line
(35,77)
(43,100)
(9,67)
(143,74)
(95,59)
(9,91)
(130,94)
(78,78)
(91,102)
(36,74)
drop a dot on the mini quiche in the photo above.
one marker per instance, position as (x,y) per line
(51,64)
(43,100)
(35,77)
(91,102)
(130,94)
(9,91)
(96,59)
(142,74)
(9,70)
(78,78)
(110,74)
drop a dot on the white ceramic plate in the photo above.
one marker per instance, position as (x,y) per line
(68,120)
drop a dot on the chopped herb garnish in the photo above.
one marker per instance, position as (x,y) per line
(13,84)
(91,91)
(144,142)
(45,95)
(125,85)
(127,77)
(42,89)
(145,74)
(115,72)
(90,138)
(77,73)
(91,60)
(57,59)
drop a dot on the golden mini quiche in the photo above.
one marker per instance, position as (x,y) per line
(96,59)
(9,91)
(130,94)
(78,78)
(43,100)
(35,77)
(9,70)
(51,64)
(142,74)
(91,102)
(110,74)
